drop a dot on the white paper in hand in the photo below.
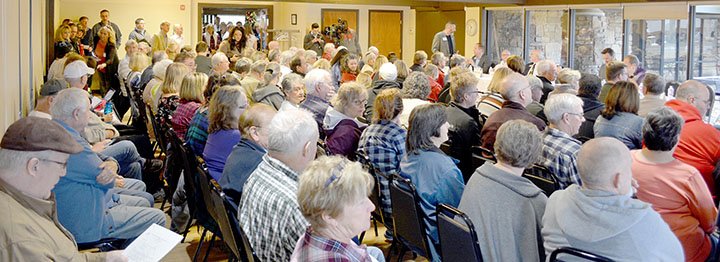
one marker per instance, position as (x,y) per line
(152,245)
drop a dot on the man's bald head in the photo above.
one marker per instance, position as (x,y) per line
(512,86)
(604,163)
(253,120)
(696,93)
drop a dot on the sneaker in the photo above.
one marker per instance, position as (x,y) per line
(153,166)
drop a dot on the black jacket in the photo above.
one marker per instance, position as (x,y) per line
(464,134)
(591,109)
(377,87)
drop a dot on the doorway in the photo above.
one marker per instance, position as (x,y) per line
(260,16)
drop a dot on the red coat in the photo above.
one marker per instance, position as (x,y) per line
(435,90)
(699,144)
(347,77)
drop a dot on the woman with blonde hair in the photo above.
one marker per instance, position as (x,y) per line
(402,72)
(493,101)
(106,51)
(323,64)
(62,36)
(368,62)
(168,95)
(226,106)
(270,93)
(340,124)
(379,61)
(333,197)
(172,50)
(191,98)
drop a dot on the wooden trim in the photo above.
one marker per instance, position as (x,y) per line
(357,14)
(401,27)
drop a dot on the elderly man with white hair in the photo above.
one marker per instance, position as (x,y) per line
(601,216)
(320,90)
(85,207)
(220,64)
(547,72)
(131,46)
(286,58)
(518,94)
(565,114)
(177,35)
(386,80)
(268,210)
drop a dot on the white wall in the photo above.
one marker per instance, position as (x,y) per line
(21,48)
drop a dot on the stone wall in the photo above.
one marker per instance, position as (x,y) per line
(595,30)
(506,27)
(547,32)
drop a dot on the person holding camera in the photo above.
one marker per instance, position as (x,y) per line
(314,39)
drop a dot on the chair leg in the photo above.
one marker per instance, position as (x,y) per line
(362,235)
(202,239)
(207,253)
(402,253)
(376,230)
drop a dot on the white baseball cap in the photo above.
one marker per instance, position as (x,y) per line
(77,69)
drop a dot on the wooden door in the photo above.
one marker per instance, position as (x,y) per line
(331,16)
(386,31)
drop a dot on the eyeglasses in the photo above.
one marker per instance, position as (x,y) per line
(62,164)
(336,173)
(576,114)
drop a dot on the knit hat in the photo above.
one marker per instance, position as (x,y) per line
(388,72)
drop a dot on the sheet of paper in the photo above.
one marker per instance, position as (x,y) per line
(95,102)
(152,245)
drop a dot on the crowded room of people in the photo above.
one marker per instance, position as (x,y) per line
(359,131)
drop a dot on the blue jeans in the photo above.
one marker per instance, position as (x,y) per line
(132,193)
(127,156)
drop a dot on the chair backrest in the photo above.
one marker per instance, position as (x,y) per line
(542,178)
(458,238)
(484,154)
(157,129)
(204,186)
(233,235)
(190,167)
(574,252)
(407,216)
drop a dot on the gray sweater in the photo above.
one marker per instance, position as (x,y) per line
(618,227)
(506,210)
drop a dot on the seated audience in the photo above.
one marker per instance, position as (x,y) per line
(516,89)
(152,88)
(493,100)
(419,60)
(653,94)
(299,65)
(535,108)
(248,153)
(465,122)
(320,90)
(203,60)
(435,176)
(33,156)
(191,99)
(547,72)
(588,91)
(349,68)
(226,106)
(220,64)
(615,72)
(333,197)
(506,208)
(340,124)
(699,144)
(433,73)
(168,98)
(569,77)
(415,91)
(241,68)
(619,119)
(674,189)
(559,153)
(272,188)
(384,144)
(254,79)
(270,92)
(601,216)
(197,133)
(387,76)
(87,207)
(294,90)
(402,72)
(516,64)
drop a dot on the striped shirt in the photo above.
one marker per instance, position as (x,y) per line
(269,211)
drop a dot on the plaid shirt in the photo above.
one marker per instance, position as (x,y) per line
(197,132)
(384,144)
(559,155)
(182,117)
(269,211)
(313,247)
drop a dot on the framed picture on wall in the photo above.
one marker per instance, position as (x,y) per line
(293,19)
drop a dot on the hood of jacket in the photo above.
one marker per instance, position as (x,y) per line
(380,85)
(333,117)
(266,91)
(686,110)
(610,214)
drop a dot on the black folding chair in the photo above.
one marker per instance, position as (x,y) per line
(484,154)
(577,253)
(375,194)
(542,178)
(407,217)
(233,235)
(158,130)
(458,238)
(203,185)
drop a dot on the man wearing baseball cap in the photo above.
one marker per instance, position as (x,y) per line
(47,94)
(33,156)
(77,73)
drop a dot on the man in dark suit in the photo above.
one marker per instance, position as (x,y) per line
(480,60)
(314,40)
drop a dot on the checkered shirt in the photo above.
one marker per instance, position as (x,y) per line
(384,144)
(559,156)
(182,117)
(197,133)
(269,212)
(313,247)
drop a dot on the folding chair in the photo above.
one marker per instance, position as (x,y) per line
(542,178)
(458,238)
(233,235)
(375,194)
(407,217)
(577,253)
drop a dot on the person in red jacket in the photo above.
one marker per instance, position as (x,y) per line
(699,144)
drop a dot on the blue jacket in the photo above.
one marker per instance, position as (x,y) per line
(243,160)
(81,202)
(626,127)
(437,180)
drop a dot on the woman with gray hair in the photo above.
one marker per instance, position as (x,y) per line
(570,77)
(294,89)
(508,232)
(434,174)
(270,93)
(333,197)
(340,123)
(415,91)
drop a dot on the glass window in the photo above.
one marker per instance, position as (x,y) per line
(595,30)
(504,33)
(705,45)
(548,32)
(661,46)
